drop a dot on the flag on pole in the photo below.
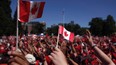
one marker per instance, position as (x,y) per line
(66,34)
(29,10)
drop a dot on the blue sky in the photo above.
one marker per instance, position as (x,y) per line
(79,11)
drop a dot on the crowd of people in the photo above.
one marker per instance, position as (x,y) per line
(42,50)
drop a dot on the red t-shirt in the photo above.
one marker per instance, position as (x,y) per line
(49,61)
(78,48)
(2,49)
(95,61)
(37,62)
(114,54)
(114,60)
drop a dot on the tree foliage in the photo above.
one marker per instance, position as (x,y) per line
(15,24)
(53,30)
(5,18)
(72,27)
(109,25)
(101,27)
(37,28)
(96,26)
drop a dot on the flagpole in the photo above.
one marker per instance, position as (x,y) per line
(57,41)
(63,17)
(17,28)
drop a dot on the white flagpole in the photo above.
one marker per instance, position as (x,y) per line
(17,28)
(63,17)
(57,41)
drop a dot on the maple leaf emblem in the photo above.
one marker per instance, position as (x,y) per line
(34,9)
(65,34)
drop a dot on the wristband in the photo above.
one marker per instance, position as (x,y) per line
(94,45)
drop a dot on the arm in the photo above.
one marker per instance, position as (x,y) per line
(100,54)
(73,49)
(73,62)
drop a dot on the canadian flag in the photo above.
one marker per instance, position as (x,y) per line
(66,34)
(29,10)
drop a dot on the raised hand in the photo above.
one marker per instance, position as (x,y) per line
(89,37)
(99,53)
(18,58)
(58,57)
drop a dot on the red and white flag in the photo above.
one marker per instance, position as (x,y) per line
(66,34)
(29,10)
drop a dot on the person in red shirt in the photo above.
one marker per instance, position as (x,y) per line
(2,49)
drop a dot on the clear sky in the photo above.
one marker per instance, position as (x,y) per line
(79,11)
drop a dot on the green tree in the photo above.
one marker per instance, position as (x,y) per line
(15,24)
(37,27)
(53,30)
(82,30)
(109,25)
(96,26)
(48,31)
(5,18)
(72,27)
